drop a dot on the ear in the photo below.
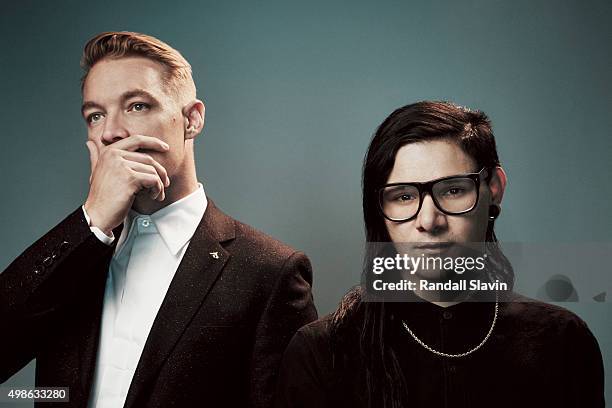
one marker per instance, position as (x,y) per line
(497,185)
(193,113)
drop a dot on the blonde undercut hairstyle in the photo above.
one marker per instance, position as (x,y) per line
(119,44)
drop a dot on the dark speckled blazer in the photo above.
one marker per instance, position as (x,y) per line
(217,340)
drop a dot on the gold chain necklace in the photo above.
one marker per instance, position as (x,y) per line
(467,353)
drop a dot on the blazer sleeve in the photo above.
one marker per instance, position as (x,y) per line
(289,307)
(54,272)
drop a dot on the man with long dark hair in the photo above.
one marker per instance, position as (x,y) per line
(432,177)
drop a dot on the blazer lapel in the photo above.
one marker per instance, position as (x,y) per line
(203,261)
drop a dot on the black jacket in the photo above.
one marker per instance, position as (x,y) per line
(217,339)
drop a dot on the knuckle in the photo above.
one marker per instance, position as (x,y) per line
(111,152)
(103,154)
(132,175)
(147,180)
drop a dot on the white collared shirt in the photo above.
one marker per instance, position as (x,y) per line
(146,258)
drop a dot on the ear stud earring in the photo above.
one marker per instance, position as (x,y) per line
(494,211)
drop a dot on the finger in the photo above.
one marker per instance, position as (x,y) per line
(137,142)
(143,168)
(147,169)
(148,181)
(148,160)
(93,156)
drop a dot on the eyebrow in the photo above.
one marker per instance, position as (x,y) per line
(135,93)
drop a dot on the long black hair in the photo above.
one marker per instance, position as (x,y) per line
(361,326)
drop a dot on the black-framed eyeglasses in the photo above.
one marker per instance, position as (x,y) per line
(452,195)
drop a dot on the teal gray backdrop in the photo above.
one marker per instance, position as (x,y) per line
(294,91)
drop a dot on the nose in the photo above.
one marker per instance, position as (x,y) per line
(114,129)
(429,218)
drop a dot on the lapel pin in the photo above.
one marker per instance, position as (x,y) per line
(215,255)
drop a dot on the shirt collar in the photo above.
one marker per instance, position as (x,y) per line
(176,223)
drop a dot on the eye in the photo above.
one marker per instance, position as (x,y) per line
(139,107)
(402,197)
(454,191)
(400,194)
(405,197)
(94,118)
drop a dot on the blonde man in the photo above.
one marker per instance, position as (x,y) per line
(147,294)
